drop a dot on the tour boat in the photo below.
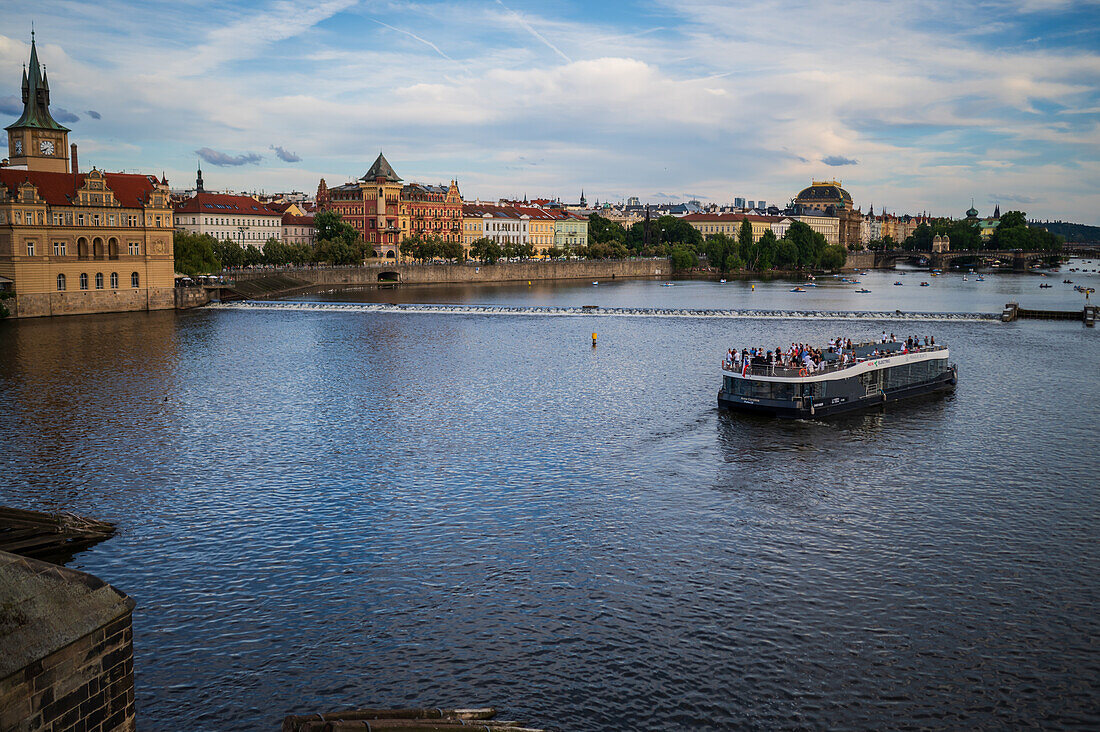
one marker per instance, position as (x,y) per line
(881,373)
(798,289)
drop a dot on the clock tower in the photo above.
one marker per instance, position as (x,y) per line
(36,140)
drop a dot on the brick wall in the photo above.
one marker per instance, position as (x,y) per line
(86,683)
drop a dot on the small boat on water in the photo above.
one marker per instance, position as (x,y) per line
(669,284)
(595,283)
(965,279)
(898,283)
(873,374)
(981,278)
(722,281)
(798,289)
(924,284)
(863,290)
(1044,285)
(1067,282)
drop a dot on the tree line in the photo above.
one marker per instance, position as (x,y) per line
(799,248)
(1013,232)
(335,242)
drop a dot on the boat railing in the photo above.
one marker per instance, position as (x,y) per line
(826,367)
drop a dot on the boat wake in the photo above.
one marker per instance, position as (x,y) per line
(592,311)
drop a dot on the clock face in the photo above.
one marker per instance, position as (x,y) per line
(18,147)
(46,146)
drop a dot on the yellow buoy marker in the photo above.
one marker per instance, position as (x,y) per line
(754,288)
(593,339)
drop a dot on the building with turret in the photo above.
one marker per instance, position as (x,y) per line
(73,242)
(827,199)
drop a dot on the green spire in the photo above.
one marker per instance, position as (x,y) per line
(36,98)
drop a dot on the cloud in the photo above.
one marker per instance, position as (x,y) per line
(285,155)
(1011,198)
(839,160)
(63,115)
(221,159)
(11,105)
(94,114)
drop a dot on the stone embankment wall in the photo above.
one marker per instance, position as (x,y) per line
(860,260)
(410,274)
(191,297)
(67,660)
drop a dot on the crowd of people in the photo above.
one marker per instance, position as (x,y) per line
(809,360)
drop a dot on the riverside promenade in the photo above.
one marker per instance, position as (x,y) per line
(274,282)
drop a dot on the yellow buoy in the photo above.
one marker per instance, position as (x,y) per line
(593,339)
(528,283)
(754,288)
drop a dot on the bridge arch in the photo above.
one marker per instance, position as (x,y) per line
(389,276)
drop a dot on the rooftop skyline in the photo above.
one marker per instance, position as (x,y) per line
(914,108)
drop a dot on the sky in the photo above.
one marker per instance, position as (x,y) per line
(915,106)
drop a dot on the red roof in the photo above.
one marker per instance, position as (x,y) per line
(223,203)
(59,189)
(292,220)
(726,217)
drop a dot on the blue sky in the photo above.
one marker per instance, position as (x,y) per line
(915,106)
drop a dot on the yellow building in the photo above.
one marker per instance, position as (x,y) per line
(540,229)
(72,242)
(710,224)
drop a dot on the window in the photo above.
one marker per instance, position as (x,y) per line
(30,247)
(95,219)
(131,220)
(114,280)
(83,280)
(158,220)
(58,219)
(110,219)
(61,283)
(59,249)
(99,280)
(135,249)
(134,279)
(80,219)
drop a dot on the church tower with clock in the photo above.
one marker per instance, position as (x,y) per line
(36,140)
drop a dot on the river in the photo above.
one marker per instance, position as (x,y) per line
(321,510)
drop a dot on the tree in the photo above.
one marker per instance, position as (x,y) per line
(486,250)
(809,244)
(194,253)
(964,236)
(833,257)
(683,258)
(679,233)
(1012,219)
(604,231)
(229,253)
(745,239)
(920,240)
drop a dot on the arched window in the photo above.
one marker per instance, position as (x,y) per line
(82,248)
(99,280)
(97,248)
(83,280)
(61,283)
(114,280)
(112,248)
(134,279)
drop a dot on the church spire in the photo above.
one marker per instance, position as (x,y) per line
(36,97)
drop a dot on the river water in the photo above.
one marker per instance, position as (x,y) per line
(321,510)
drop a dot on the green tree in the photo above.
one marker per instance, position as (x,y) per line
(677,233)
(920,240)
(1012,219)
(964,236)
(745,239)
(194,253)
(719,248)
(229,253)
(833,257)
(486,250)
(604,231)
(809,243)
(683,258)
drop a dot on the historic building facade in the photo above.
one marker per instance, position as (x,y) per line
(385,212)
(710,224)
(240,219)
(832,200)
(73,242)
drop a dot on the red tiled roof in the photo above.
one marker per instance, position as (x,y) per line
(59,189)
(223,203)
(292,220)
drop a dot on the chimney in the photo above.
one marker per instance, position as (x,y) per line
(75,167)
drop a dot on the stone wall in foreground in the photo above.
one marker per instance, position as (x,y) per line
(68,650)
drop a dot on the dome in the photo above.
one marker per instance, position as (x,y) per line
(972,213)
(824,193)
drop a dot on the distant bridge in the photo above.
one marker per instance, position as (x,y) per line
(1017,258)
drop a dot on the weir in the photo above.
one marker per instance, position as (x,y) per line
(591,311)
